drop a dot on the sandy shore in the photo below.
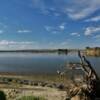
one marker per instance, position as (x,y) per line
(47,93)
(51,87)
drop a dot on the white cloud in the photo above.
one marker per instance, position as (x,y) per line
(24,31)
(83,8)
(51,29)
(74,9)
(44,8)
(15,45)
(48,28)
(75,34)
(62,26)
(6,42)
(56,29)
(1,31)
(94,19)
(91,30)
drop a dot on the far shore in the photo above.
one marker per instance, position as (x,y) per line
(43,50)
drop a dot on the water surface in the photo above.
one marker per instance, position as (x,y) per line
(40,63)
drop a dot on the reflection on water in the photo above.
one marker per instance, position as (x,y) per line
(40,62)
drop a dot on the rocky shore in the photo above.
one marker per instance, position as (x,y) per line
(16,86)
(9,81)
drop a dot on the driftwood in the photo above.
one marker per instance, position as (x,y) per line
(87,67)
(91,88)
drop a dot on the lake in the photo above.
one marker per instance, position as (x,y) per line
(40,63)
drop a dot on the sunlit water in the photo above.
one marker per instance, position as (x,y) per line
(32,63)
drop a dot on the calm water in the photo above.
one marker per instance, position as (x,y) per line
(39,63)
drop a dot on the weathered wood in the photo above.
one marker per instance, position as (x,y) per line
(92,69)
(92,87)
(82,63)
(90,72)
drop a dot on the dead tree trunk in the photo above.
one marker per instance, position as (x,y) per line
(92,89)
(88,69)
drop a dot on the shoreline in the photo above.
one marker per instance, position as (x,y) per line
(35,77)
(15,86)
(52,81)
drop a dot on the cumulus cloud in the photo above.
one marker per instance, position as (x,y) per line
(94,19)
(91,30)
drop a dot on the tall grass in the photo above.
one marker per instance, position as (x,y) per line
(31,98)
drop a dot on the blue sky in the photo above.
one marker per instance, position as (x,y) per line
(42,24)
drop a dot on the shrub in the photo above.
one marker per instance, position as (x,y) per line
(2,95)
(31,98)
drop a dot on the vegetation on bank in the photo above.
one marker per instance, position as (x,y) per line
(2,95)
(93,51)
